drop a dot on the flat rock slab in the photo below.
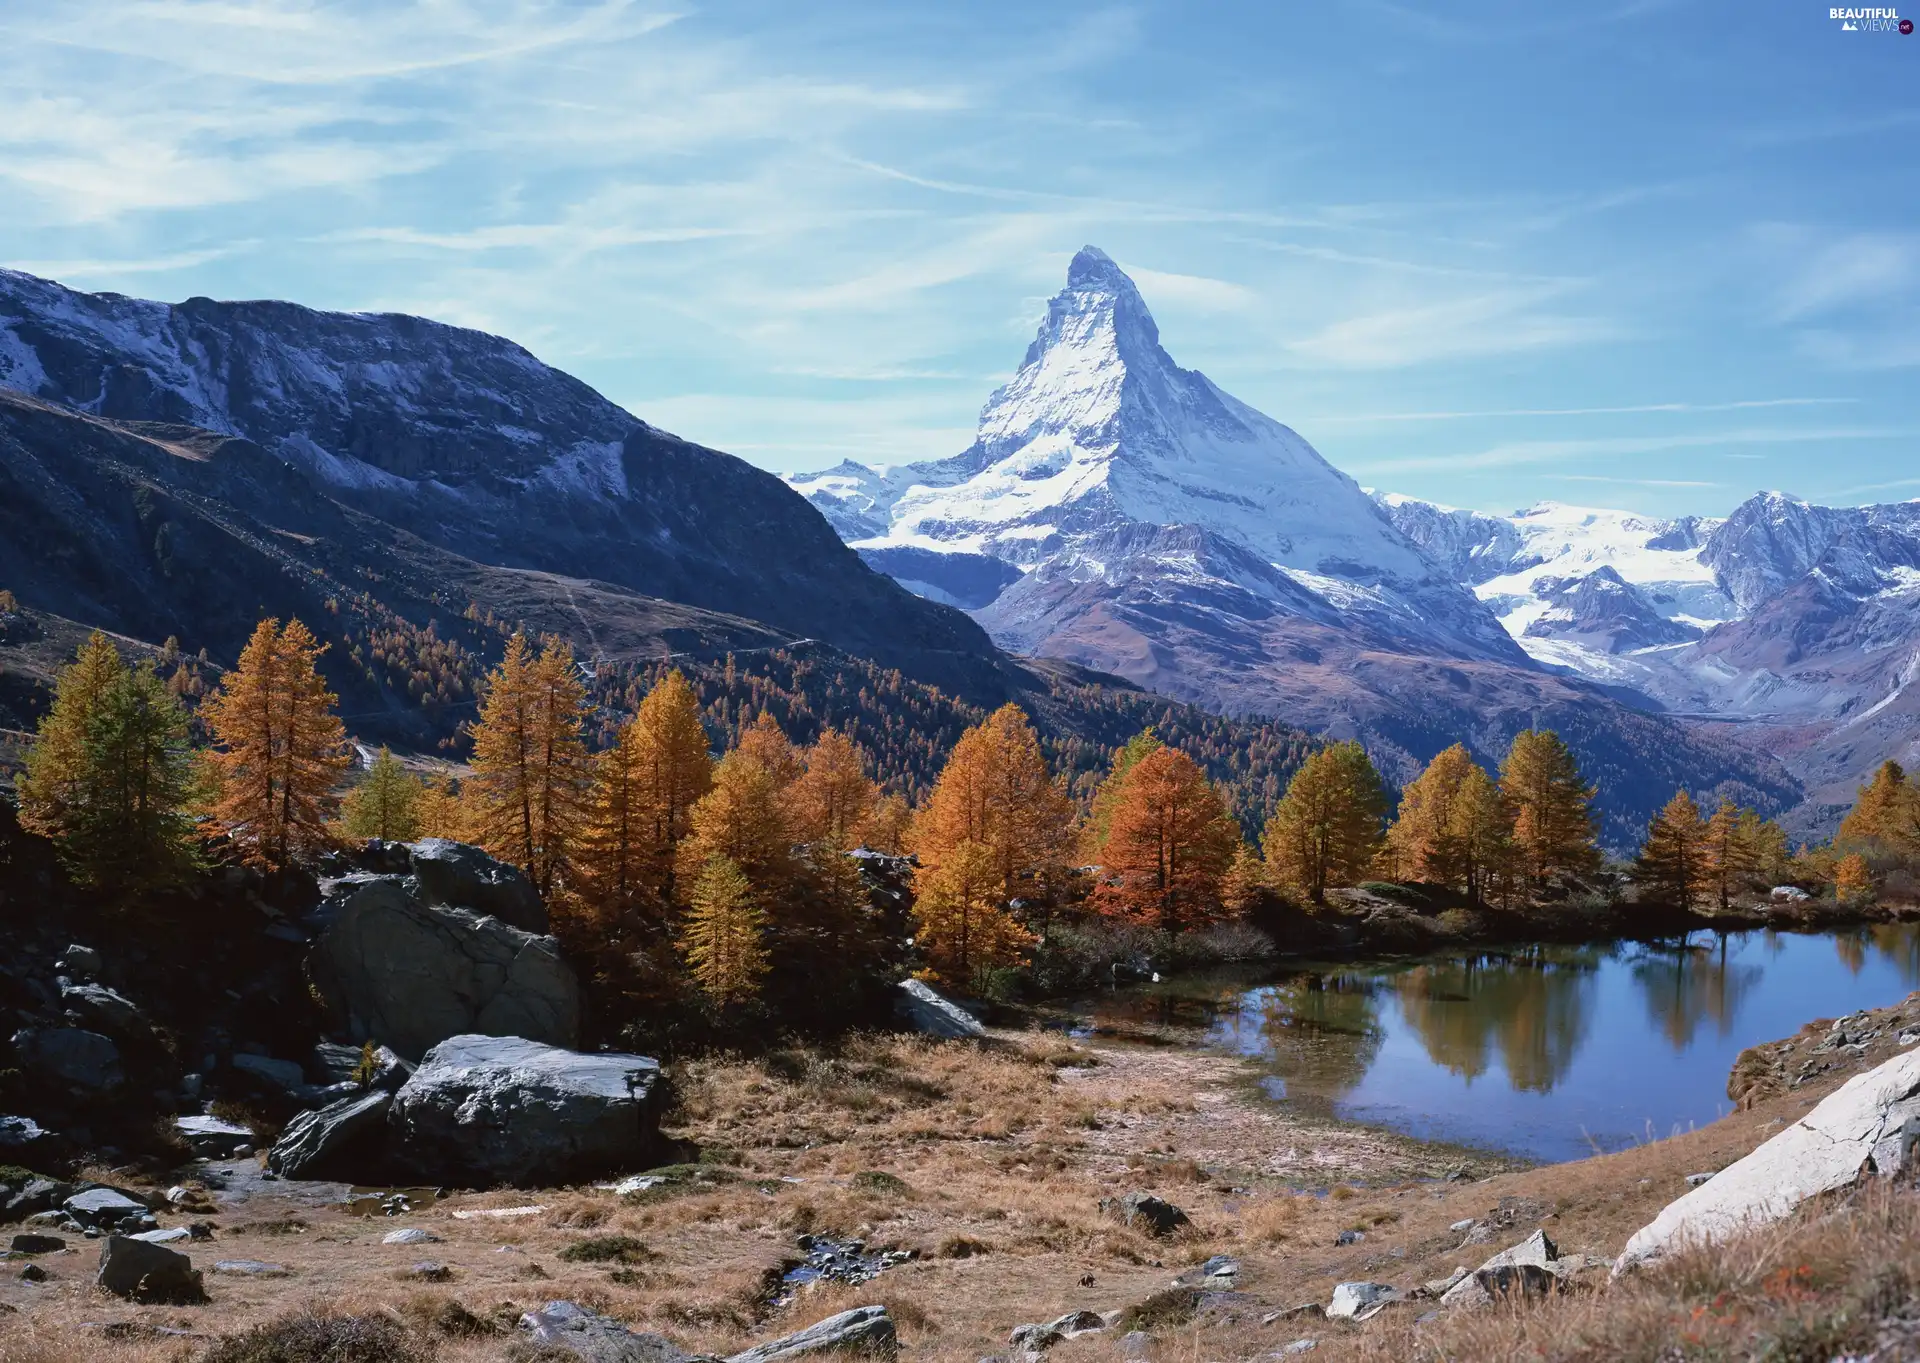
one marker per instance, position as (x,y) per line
(1826,1150)
(927,1011)
(595,1338)
(340,1139)
(863,1330)
(37,1244)
(211,1138)
(251,1268)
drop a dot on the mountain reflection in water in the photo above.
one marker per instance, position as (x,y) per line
(1547,1051)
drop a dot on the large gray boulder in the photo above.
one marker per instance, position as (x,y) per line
(112,1013)
(932,1013)
(81,1062)
(343,1140)
(866,1330)
(457,876)
(504,1110)
(1870,1124)
(147,1272)
(410,974)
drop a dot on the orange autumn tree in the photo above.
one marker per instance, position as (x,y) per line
(960,926)
(832,801)
(645,788)
(1169,844)
(282,747)
(531,769)
(995,791)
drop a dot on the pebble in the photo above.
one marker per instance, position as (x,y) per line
(1695,1180)
(1466,1225)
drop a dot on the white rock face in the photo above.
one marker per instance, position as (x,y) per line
(1856,1130)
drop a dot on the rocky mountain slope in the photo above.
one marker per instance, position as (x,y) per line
(1126,514)
(461,442)
(1799,622)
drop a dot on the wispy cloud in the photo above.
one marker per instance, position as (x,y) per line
(1472,326)
(1519,452)
(1637,409)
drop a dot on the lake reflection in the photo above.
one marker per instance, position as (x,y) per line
(1549,1052)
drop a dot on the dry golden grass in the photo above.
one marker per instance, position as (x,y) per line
(994,1162)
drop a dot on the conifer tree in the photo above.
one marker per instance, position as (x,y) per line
(1765,848)
(722,937)
(1730,857)
(742,820)
(1886,814)
(1106,799)
(1326,830)
(1169,843)
(386,803)
(1478,845)
(1852,880)
(1552,806)
(995,790)
(961,925)
(1672,868)
(51,790)
(766,742)
(128,830)
(439,812)
(1246,877)
(531,769)
(1419,843)
(832,800)
(888,824)
(282,746)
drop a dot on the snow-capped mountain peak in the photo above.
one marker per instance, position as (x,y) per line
(1103,461)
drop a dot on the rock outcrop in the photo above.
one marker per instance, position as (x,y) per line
(147,1272)
(395,969)
(1870,1125)
(341,1140)
(865,1330)
(455,875)
(503,1110)
(931,1013)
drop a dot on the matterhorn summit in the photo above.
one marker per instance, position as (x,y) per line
(1103,466)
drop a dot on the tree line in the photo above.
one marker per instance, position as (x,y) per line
(669,869)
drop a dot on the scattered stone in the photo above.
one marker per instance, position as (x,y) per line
(932,1013)
(83,1062)
(33,1273)
(251,1268)
(334,1141)
(1077,1323)
(413,974)
(1361,1300)
(1862,1126)
(1220,1266)
(1530,1268)
(1349,1237)
(106,1209)
(113,1013)
(37,1244)
(1695,1180)
(1439,1287)
(595,1338)
(1136,1344)
(427,1271)
(503,1110)
(1300,1346)
(163,1237)
(1030,1341)
(201,1230)
(211,1138)
(1788,894)
(866,1330)
(147,1273)
(19,1132)
(840,1261)
(280,1074)
(1462,1226)
(1526,1280)
(1144,1211)
(458,876)
(635,1183)
(411,1235)
(79,962)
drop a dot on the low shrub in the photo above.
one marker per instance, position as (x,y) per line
(321,1337)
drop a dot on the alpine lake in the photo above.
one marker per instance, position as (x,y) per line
(1548,1053)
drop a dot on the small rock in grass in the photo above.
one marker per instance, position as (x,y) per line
(429,1272)
(1460,1226)
(1358,1301)
(1349,1237)
(33,1273)
(38,1244)
(251,1268)
(412,1235)
(1695,1180)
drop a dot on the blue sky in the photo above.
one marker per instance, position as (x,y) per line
(1653,255)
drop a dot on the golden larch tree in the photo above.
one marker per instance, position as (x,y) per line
(995,791)
(531,769)
(1478,852)
(282,747)
(1672,867)
(832,801)
(1419,842)
(385,804)
(723,934)
(1730,857)
(765,742)
(1106,799)
(1326,831)
(1852,880)
(52,789)
(961,925)
(1886,814)
(1552,806)
(742,820)
(1170,841)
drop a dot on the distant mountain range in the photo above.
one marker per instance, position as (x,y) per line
(1125,513)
